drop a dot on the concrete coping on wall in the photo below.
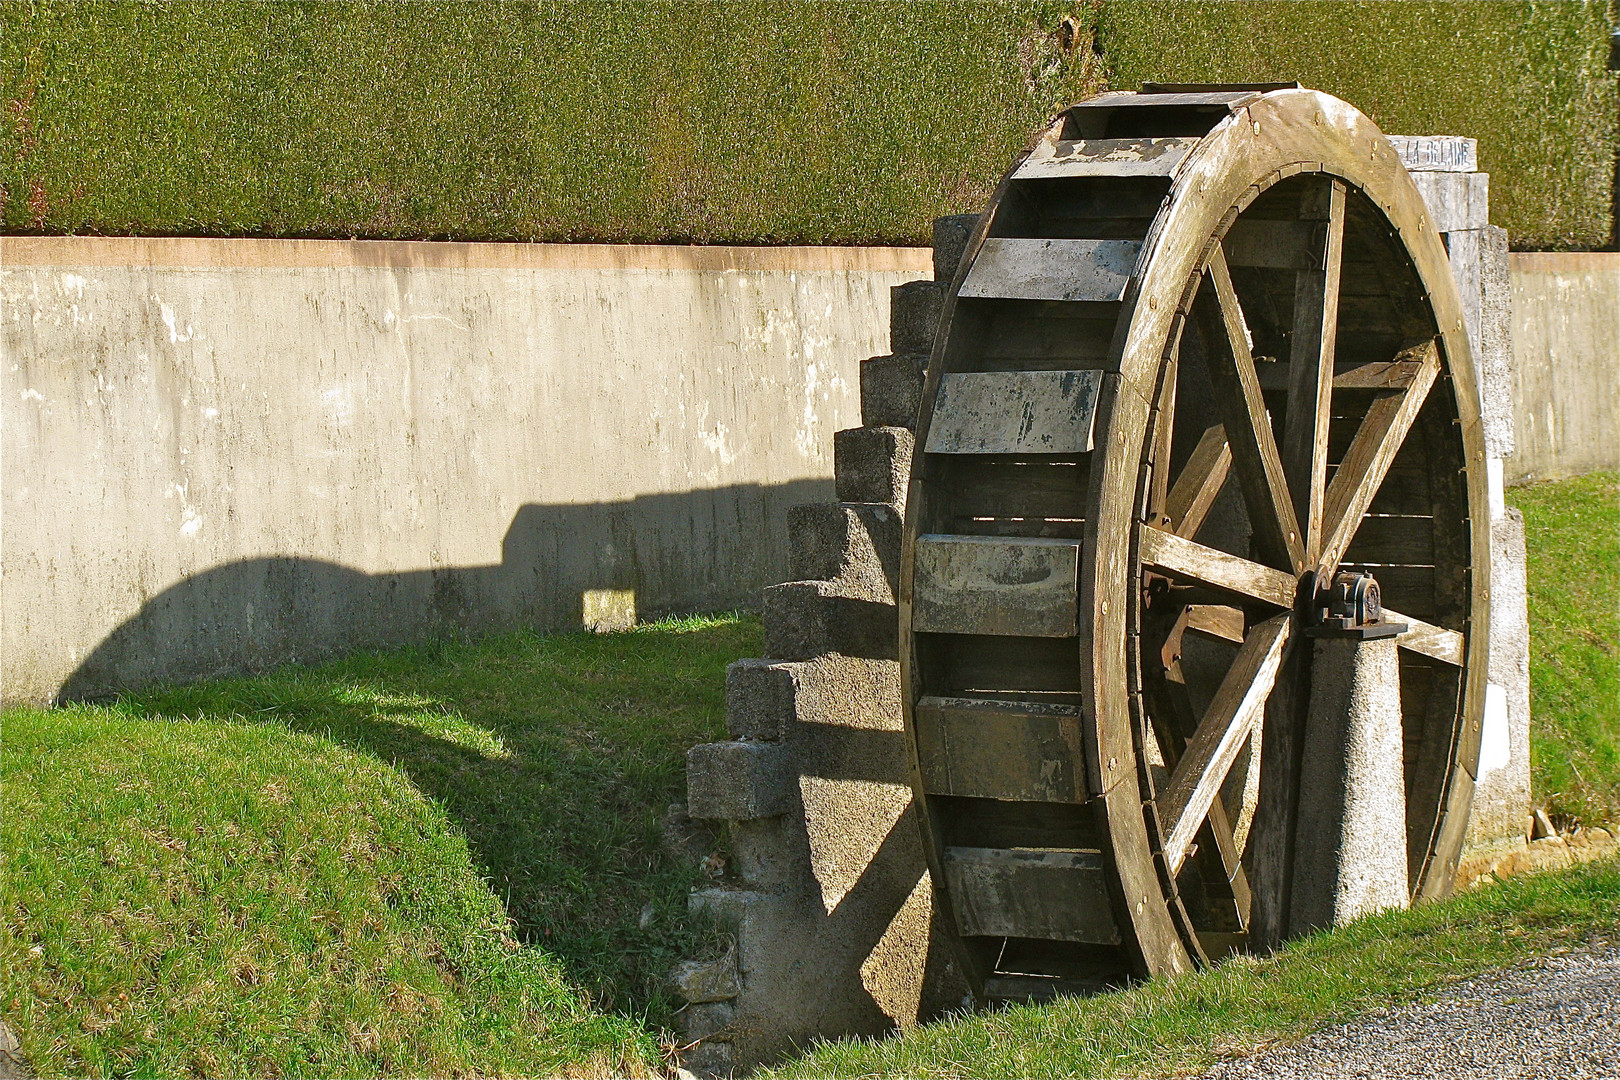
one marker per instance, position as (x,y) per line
(211,252)
(1564,262)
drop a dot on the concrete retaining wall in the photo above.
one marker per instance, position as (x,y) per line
(225,454)
(1566,364)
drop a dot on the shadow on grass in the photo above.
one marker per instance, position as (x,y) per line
(558,756)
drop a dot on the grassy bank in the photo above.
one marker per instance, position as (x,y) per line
(1176,1028)
(426,862)
(736,122)
(1572,532)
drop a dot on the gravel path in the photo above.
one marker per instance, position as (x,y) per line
(1558,1019)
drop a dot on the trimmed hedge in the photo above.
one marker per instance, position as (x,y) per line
(1528,80)
(739,122)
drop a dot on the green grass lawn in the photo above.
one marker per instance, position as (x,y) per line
(1572,531)
(432,861)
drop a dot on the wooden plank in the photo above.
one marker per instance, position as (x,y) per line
(1226,726)
(1105,157)
(1052,895)
(1248,426)
(1019,268)
(1025,751)
(995,487)
(1232,99)
(998,823)
(1398,540)
(1029,334)
(1272,245)
(1008,586)
(1304,449)
(1430,640)
(1369,457)
(1200,483)
(987,665)
(1014,412)
(1352,375)
(1217,621)
(1193,561)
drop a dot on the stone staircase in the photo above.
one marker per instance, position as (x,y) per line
(825,893)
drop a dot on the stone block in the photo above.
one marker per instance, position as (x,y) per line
(767,854)
(709,1058)
(738,781)
(766,698)
(914,310)
(1350,858)
(1437,153)
(891,390)
(872,464)
(951,235)
(707,1020)
(805,619)
(1455,200)
(1502,796)
(728,908)
(857,544)
(1496,341)
(700,981)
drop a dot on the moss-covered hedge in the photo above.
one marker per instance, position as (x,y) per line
(741,121)
(1527,80)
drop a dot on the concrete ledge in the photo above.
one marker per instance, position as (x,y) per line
(229,253)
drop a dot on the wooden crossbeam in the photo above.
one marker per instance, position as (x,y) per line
(1371,453)
(1237,706)
(1218,569)
(1248,425)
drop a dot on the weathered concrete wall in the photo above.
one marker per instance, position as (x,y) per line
(224,454)
(1566,364)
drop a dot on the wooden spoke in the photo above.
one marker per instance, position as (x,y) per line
(1310,370)
(1238,704)
(1193,561)
(1216,621)
(1200,482)
(1248,427)
(1163,437)
(1432,641)
(1370,455)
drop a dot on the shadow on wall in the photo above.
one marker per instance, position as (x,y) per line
(704,550)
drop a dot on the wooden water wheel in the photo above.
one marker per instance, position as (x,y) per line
(1203,357)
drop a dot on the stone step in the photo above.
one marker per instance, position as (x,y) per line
(872,464)
(914,310)
(951,235)
(805,619)
(766,698)
(739,780)
(891,390)
(856,544)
